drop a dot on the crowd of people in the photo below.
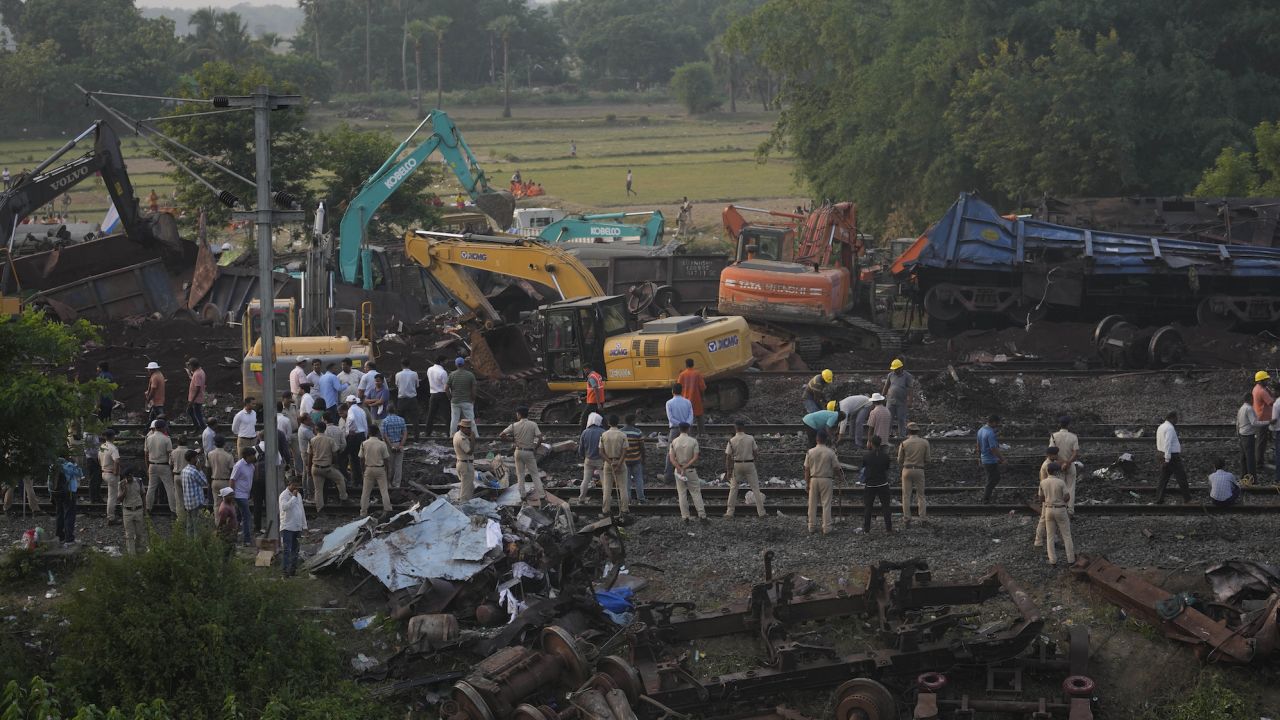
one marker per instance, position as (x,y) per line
(341,426)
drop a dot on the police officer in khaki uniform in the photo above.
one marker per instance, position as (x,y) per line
(374,455)
(913,455)
(1050,457)
(220,464)
(322,450)
(135,525)
(462,447)
(683,455)
(1054,498)
(613,451)
(740,468)
(157,448)
(821,467)
(109,461)
(1068,445)
(526,435)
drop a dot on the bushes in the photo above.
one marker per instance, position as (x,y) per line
(694,86)
(183,624)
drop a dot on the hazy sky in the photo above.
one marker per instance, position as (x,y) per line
(197,4)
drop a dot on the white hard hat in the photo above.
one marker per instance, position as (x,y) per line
(301,359)
(877,397)
(225,491)
(153,365)
(352,398)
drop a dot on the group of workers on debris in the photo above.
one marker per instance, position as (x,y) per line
(339,424)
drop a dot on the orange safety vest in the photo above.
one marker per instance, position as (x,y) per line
(595,395)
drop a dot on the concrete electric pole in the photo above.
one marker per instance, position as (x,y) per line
(263,102)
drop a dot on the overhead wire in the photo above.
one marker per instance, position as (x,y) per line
(196,114)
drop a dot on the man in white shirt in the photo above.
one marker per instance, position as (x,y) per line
(357,432)
(1170,449)
(285,418)
(293,520)
(313,377)
(366,380)
(206,437)
(307,402)
(438,401)
(349,375)
(245,426)
(297,376)
(855,409)
(407,397)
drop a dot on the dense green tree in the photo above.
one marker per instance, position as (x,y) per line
(694,87)
(620,43)
(42,398)
(1240,173)
(228,138)
(350,155)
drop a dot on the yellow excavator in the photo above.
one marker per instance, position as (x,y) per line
(289,345)
(585,327)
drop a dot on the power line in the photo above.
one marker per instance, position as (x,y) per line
(195,114)
(148,97)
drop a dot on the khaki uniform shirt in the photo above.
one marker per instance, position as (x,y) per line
(178,459)
(321,451)
(741,448)
(158,446)
(220,463)
(822,462)
(462,447)
(1066,442)
(374,452)
(684,448)
(913,451)
(525,432)
(613,445)
(131,494)
(1054,491)
(1044,467)
(109,458)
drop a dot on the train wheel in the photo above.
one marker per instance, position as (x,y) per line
(864,699)
(1213,313)
(938,303)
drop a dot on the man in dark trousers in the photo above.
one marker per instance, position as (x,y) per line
(875,466)
(1169,448)
(990,457)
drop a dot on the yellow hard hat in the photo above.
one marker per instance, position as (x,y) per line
(831,405)
(828,376)
(896,364)
(1260,376)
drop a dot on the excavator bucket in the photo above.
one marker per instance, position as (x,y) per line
(501,353)
(499,205)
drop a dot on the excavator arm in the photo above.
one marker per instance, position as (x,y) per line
(446,256)
(611,226)
(34,189)
(445,137)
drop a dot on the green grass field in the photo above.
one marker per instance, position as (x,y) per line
(711,160)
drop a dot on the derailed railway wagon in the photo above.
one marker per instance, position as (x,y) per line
(976,267)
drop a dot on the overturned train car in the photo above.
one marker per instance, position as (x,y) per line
(975,267)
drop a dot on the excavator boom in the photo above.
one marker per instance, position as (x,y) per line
(609,227)
(445,138)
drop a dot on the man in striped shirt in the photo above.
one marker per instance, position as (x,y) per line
(193,485)
(635,457)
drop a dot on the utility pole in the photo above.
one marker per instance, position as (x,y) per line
(264,216)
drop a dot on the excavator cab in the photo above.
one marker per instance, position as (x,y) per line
(770,243)
(574,332)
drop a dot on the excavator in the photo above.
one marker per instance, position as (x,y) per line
(289,344)
(353,250)
(584,327)
(607,228)
(801,278)
(34,189)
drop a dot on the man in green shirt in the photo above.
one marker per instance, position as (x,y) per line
(462,397)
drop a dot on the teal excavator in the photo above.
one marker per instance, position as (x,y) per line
(607,227)
(354,252)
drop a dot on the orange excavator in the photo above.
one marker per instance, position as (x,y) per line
(800,275)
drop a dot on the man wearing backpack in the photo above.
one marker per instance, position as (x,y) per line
(63,486)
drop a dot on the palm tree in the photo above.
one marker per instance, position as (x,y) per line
(312,8)
(231,41)
(269,41)
(503,26)
(368,66)
(438,25)
(417,30)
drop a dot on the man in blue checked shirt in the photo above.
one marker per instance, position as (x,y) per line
(193,484)
(393,432)
(679,410)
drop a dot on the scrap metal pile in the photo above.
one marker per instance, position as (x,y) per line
(1238,625)
(572,645)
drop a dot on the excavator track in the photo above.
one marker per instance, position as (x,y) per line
(887,338)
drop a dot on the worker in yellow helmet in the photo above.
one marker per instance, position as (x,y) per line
(815,391)
(898,387)
(1262,405)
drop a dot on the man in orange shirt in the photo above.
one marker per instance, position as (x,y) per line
(694,385)
(1262,402)
(155,391)
(595,391)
